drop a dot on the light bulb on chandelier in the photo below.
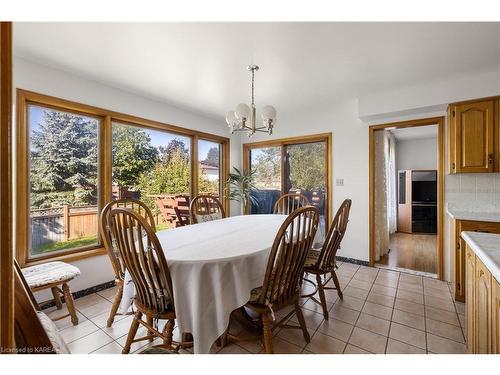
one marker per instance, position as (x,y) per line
(244,117)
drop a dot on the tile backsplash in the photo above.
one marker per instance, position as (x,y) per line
(473,192)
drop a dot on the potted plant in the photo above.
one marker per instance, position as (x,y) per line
(239,185)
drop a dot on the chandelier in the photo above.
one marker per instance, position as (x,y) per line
(244,117)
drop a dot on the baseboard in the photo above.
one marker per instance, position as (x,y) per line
(353,261)
(81,293)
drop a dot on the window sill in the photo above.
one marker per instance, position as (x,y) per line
(65,257)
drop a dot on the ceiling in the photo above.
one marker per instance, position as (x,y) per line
(202,66)
(418,132)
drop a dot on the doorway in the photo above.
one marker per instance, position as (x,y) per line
(407,195)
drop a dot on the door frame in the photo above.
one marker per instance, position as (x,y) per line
(440,122)
(6,249)
(281,142)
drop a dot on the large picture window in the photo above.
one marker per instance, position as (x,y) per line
(72,159)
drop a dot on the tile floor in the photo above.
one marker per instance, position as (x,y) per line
(382,312)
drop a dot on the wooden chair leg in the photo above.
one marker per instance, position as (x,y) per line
(57,297)
(168,332)
(267,333)
(149,319)
(132,332)
(68,298)
(322,298)
(337,284)
(302,323)
(116,305)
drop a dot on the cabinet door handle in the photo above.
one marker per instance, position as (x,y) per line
(490,158)
(481,273)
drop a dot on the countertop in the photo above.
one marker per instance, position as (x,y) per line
(474,216)
(487,248)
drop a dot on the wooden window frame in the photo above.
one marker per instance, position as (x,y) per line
(106,117)
(282,142)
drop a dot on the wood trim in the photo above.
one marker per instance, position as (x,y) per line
(440,122)
(6,248)
(322,137)
(106,118)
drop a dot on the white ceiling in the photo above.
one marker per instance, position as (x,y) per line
(419,132)
(202,66)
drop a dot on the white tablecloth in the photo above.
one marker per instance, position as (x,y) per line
(214,266)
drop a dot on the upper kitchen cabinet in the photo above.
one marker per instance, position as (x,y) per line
(473,137)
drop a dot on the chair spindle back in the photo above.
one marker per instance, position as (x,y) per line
(288,255)
(143,258)
(288,203)
(206,208)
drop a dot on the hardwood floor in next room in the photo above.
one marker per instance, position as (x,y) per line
(417,252)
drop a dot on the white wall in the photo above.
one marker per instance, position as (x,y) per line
(34,77)
(416,154)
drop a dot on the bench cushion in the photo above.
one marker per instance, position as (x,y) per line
(49,273)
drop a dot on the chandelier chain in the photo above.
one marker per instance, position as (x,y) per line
(253,80)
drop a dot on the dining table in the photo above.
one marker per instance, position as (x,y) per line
(214,266)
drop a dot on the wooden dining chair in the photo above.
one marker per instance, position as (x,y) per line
(113,253)
(206,208)
(281,286)
(145,260)
(288,203)
(322,262)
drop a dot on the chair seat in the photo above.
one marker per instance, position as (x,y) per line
(49,273)
(53,334)
(312,258)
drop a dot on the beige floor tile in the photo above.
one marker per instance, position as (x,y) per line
(408,335)
(410,287)
(313,306)
(89,343)
(439,303)
(410,296)
(441,345)
(442,315)
(461,318)
(331,295)
(88,300)
(101,320)
(101,306)
(350,302)
(410,279)
(440,293)
(398,347)
(313,319)
(460,307)
(411,307)
(350,266)
(348,273)
(373,324)
(380,299)
(379,311)
(119,328)
(284,347)
(384,290)
(343,314)
(336,328)
(448,331)
(388,274)
(73,333)
(409,319)
(364,277)
(367,340)
(253,346)
(356,292)
(351,349)
(109,293)
(435,284)
(294,336)
(233,349)
(136,345)
(324,344)
(360,284)
(53,312)
(392,283)
(111,348)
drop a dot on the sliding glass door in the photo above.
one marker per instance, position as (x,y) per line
(297,166)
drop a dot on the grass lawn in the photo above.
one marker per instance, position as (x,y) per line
(66,245)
